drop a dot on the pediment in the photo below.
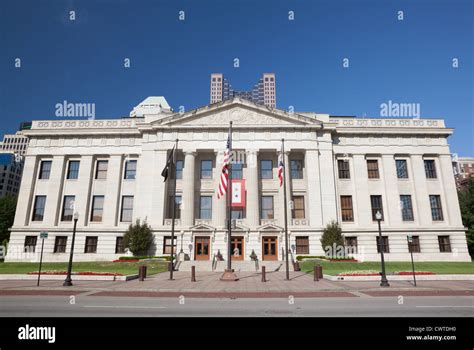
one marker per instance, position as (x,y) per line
(270,227)
(202,227)
(241,113)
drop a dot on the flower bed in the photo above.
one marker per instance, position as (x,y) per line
(82,273)
(126,261)
(376,273)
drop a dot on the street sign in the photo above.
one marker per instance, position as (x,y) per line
(410,238)
(43,235)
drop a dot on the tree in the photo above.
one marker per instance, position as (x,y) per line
(466,203)
(138,238)
(7,214)
(332,240)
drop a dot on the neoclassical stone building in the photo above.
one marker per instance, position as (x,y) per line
(338,168)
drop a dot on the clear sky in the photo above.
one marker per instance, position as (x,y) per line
(82,61)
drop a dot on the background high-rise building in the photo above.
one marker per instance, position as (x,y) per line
(263,92)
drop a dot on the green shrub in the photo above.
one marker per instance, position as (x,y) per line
(138,238)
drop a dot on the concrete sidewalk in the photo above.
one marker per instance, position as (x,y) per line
(249,285)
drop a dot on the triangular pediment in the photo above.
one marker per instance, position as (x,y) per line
(202,227)
(240,112)
(270,227)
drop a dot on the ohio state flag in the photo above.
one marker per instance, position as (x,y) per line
(238,193)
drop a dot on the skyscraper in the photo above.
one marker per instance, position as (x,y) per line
(263,92)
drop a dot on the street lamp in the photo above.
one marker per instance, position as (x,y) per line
(410,248)
(384,282)
(67,281)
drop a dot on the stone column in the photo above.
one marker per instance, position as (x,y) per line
(253,200)
(28,182)
(313,188)
(219,213)
(187,209)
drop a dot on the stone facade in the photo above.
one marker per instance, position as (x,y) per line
(316,142)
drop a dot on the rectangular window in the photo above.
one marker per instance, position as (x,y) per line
(376,203)
(402,169)
(179,169)
(119,246)
(430,169)
(38,210)
(343,169)
(302,245)
(384,243)
(178,201)
(266,169)
(68,208)
(444,244)
(97,208)
(45,170)
(238,214)
(30,244)
(91,244)
(436,209)
(266,211)
(373,168)
(101,169)
(407,208)
(127,209)
(296,168)
(130,170)
(60,244)
(167,246)
(237,171)
(205,207)
(298,207)
(351,245)
(347,211)
(73,170)
(414,245)
(206,169)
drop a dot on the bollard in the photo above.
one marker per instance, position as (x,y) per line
(296,266)
(193,273)
(319,268)
(264,279)
(316,276)
(141,273)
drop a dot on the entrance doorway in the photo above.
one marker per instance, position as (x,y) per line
(201,248)
(269,248)
(237,248)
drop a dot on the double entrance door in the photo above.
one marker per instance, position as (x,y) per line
(269,248)
(201,248)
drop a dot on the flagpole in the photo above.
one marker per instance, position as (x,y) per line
(229,204)
(286,209)
(173,173)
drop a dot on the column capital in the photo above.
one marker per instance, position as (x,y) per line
(190,152)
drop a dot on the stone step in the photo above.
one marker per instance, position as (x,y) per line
(236,265)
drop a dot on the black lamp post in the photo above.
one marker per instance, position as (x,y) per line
(67,281)
(384,282)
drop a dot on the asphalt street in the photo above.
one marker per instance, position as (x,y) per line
(92,306)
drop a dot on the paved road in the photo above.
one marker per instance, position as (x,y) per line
(89,306)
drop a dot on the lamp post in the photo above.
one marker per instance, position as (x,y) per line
(410,247)
(384,282)
(67,281)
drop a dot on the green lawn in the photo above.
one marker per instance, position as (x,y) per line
(126,268)
(334,268)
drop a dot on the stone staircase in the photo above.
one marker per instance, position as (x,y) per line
(238,266)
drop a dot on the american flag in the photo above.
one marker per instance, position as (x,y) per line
(280,166)
(225,172)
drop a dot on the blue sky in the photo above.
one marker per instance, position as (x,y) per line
(407,61)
